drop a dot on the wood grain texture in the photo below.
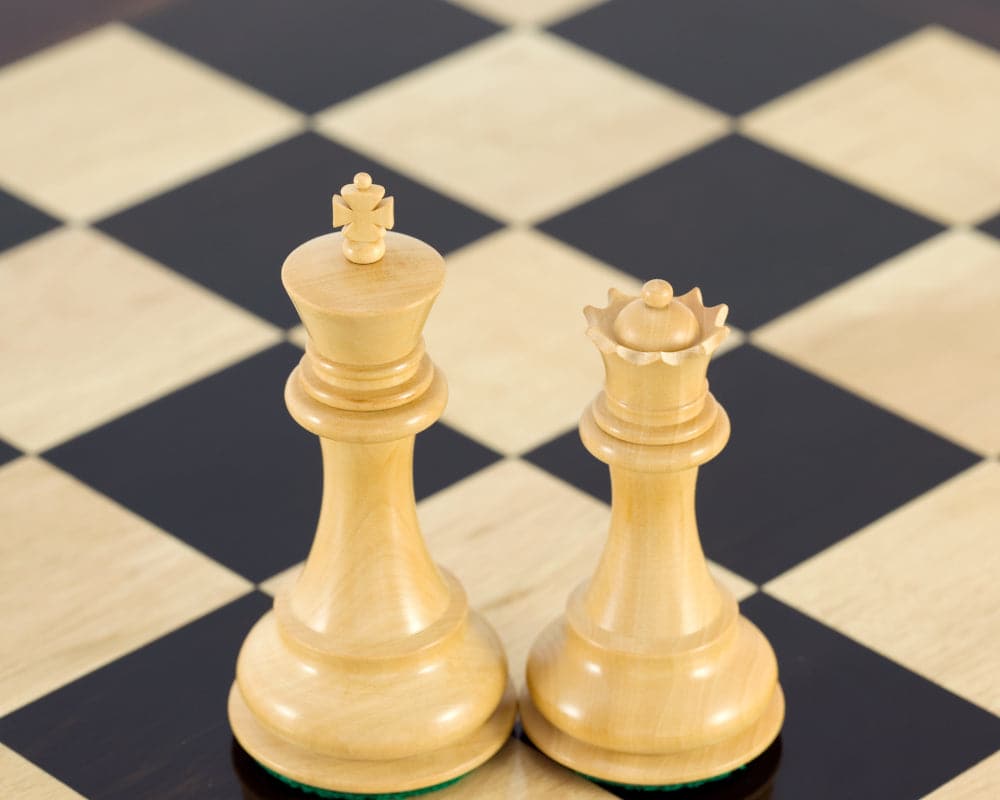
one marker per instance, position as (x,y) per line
(516,534)
(977,783)
(97,126)
(99,329)
(919,334)
(366,214)
(523,289)
(21,779)
(536,536)
(884,586)
(466,125)
(519,772)
(371,674)
(916,122)
(111,581)
(533,536)
(652,676)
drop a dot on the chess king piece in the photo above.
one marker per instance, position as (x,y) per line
(652,677)
(370,675)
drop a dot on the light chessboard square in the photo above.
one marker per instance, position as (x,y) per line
(937,745)
(522,125)
(885,586)
(21,779)
(917,122)
(84,581)
(919,334)
(111,117)
(99,329)
(508,332)
(976,783)
(520,771)
(535,538)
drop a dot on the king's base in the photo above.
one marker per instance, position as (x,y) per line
(350,776)
(653,770)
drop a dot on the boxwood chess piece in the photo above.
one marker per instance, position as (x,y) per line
(366,214)
(370,675)
(652,677)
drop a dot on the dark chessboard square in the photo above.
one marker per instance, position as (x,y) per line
(858,725)
(751,227)
(258,784)
(313,53)
(150,725)
(231,230)
(992,226)
(734,56)
(20,222)
(30,25)
(979,19)
(221,465)
(807,465)
(7,453)
(443,456)
(567,458)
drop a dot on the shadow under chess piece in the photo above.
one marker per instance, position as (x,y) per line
(370,675)
(652,677)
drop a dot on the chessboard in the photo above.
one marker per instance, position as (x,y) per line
(829,169)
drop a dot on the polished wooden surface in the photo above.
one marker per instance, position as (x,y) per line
(914,303)
(652,676)
(945,526)
(895,124)
(147,456)
(371,674)
(79,162)
(518,156)
(117,330)
(366,214)
(151,583)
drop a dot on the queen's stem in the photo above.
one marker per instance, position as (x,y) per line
(652,581)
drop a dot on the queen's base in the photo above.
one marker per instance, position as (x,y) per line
(654,769)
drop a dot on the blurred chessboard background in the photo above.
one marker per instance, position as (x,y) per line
(830,169)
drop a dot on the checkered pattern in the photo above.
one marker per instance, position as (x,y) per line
(828,169)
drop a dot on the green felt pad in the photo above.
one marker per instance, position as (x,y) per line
(672,787)
(330,793)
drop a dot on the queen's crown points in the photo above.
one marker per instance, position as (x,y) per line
(656,326)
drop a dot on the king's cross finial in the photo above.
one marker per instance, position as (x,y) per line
(366,214)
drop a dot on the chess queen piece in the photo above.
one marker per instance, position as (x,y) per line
(652,677)
(370,675)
